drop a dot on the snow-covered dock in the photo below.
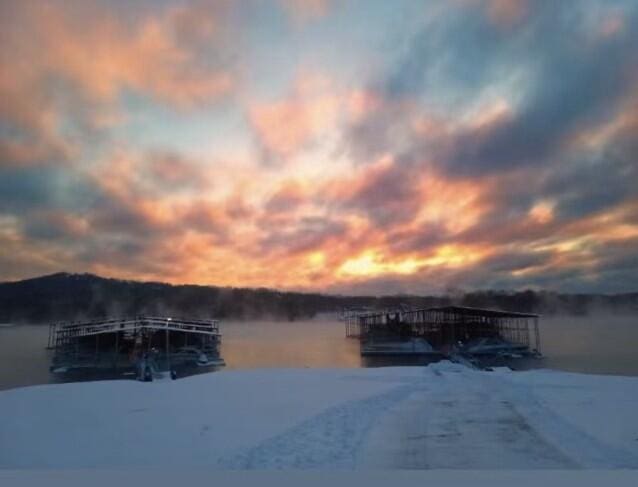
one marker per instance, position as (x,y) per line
(441,416)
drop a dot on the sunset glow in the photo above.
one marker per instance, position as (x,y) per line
(356,147)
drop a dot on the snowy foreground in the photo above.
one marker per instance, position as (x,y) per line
(441,416)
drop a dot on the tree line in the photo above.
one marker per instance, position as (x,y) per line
(73,297)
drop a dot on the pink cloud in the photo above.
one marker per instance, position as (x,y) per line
(289,195)
(67,63)
(611,25)
(285,126)
(507,13)
(106,56)
(302,11)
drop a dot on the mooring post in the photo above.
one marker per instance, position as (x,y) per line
(168,355)
(117,351)
(538,337)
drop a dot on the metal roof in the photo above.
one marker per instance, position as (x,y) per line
(493,313)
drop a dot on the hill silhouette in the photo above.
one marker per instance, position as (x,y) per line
(65,296)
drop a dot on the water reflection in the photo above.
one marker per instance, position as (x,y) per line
(313,343)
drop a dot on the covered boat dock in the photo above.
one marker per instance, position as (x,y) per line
(129,344)
(447,328)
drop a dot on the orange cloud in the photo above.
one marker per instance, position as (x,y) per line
(150,58)
(286,126)
(286,197)
(542,212)
(390,212)
(67,63)
(372,264)
(361,103)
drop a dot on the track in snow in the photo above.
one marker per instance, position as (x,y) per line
(449,418)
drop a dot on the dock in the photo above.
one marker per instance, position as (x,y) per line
(121,345)
(450,331)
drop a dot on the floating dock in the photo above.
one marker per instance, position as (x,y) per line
(448,331)
(132,345)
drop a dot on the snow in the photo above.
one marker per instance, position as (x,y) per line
(441,416)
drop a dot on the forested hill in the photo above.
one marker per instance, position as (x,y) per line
(66,296)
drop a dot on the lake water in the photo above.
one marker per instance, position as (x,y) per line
(600,345)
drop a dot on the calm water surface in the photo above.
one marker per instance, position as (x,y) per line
(602,345)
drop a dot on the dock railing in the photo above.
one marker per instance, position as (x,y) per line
(448,325)
(61,333)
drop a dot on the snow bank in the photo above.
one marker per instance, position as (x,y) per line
(441,416)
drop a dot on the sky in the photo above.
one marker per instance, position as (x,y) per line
(362,147)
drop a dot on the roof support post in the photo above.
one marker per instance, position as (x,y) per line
(168,353)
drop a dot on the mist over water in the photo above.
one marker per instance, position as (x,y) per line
(24,359)
(311,343)
(598,344)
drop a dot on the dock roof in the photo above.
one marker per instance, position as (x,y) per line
(492,313)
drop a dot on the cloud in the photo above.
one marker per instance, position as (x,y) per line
(387,192)
(54,225)
(66,67)
(286,126)
(568,82)
(507,13)
(285,198)
(486,143)
(307,234)
(156,56)
(303,11)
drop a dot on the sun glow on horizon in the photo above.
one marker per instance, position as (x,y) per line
(208,143)
(372,264)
